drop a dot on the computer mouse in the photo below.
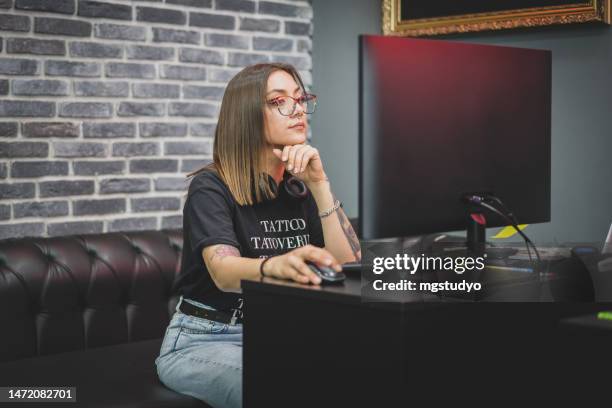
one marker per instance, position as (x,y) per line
(327,274)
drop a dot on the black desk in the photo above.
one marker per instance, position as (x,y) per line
(321,346)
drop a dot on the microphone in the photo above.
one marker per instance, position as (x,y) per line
(486,201)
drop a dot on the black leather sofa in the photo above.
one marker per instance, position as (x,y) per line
(89,312)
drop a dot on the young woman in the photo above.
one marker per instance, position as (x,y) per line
(264,207)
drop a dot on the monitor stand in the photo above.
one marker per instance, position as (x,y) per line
(476,233)
(476,239)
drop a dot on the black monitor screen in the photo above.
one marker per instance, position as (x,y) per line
(440,119)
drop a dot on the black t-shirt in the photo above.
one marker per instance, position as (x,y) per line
(211,216)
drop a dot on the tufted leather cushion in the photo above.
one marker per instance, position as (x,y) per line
(77,292)
(122,375)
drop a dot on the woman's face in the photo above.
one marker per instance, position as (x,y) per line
(284,130)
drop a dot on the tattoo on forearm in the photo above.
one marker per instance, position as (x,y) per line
(349,233)
(222,251)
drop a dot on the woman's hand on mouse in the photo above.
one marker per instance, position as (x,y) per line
(292,265)
(302,161)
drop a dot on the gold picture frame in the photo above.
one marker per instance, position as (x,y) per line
(579,12)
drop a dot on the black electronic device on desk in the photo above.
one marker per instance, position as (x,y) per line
(326,274)
(427,168)
(431,159)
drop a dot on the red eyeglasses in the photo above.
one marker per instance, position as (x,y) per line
(285,107)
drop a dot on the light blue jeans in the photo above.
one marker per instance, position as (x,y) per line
(202,358)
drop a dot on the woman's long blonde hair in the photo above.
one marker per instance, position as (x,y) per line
(239,136)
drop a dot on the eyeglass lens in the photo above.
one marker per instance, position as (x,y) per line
(287,106)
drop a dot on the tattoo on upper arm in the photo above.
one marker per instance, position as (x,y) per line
(223,251)
(349,233)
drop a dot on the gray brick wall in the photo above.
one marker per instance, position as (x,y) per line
(106,105)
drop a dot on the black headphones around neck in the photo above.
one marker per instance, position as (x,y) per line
(293,186)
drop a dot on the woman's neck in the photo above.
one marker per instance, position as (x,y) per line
(275,167)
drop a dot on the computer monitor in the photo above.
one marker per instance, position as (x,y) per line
(440,119)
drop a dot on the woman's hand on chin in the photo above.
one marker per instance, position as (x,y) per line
(303,162)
